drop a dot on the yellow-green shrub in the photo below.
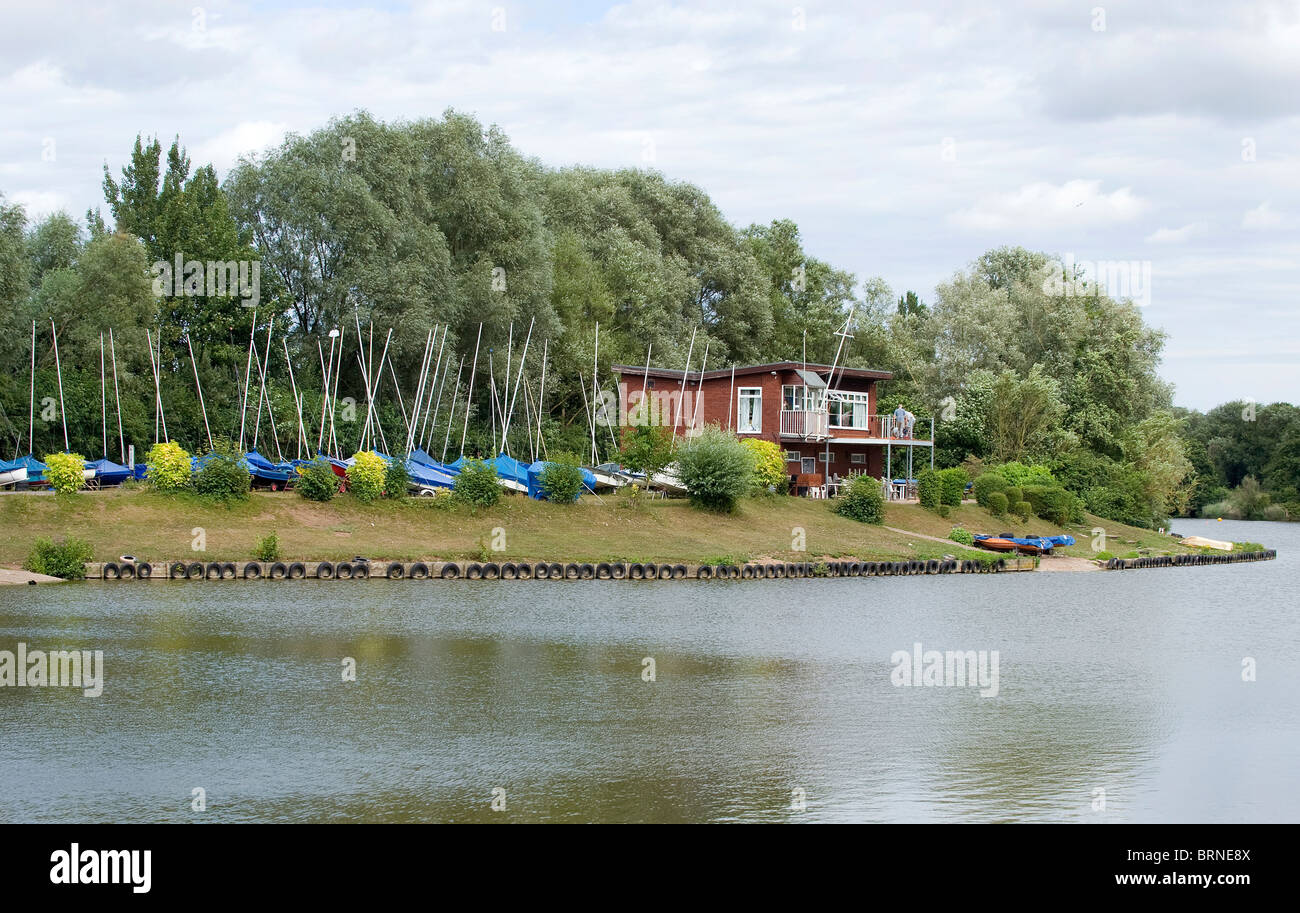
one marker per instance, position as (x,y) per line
(65,471)
(168,467)
(769,465)
(366,475)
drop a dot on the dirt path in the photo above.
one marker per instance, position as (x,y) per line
(13,576)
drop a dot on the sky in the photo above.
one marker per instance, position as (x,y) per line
(1160,138)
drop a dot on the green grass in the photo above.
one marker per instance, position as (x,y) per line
(158,527)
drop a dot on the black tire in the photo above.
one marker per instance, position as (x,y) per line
(343,571)
(143,570)
(253,570)
(586,572)
(679,572)
(932,566)
(176,570)
(572,571)
(491,571)
(395,570)
(604,571)
(704,572)
(449,571)
(361,570)
(733,572)
(127,570)
(419,571)
(297,570)
(618,570)
(542,571)
(555,570)
(474,571)
(1002,564)
(325,570)
(194,570)
(651,570)
(279,570)
(111,571)
(212,571)
(747,572)
(509,570)
(778,571)
(525,570)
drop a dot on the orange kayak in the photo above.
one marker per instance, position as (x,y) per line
(1006,545)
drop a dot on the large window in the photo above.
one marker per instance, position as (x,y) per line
(799,398)
(750,410)
(850,410)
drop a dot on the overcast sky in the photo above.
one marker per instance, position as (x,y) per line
(904,138)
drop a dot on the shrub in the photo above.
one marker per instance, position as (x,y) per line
(769,466)
(1018,473)
(1014,494)
(397,480)
(65,472)
(997,503)
(929,489)
(965,537)
(561,480)
(986,485)
(366,475)
(646,448)
(66,559)
(863,501)
(477,484)
(224,474)
(952,483)
(716,469)
(1053,503)
(1023,510)
(943,510)
(168,467)
(267,548)
(317,480)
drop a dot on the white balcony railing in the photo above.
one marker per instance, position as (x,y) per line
(812,425)
(803,424)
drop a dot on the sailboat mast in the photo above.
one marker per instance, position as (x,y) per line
(117,395)
(451,413)
(248,375)
(31,402)
(469,396)
(59,370)
(103,398)
(199,387)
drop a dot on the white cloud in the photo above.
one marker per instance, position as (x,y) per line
(1262,218)
(1177,235)
(224,149)
(1044,205)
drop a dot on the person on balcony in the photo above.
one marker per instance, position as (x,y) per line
(900,420)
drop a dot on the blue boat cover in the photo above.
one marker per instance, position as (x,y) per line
(428,476)
(35,468)
(510,468)
(262,468)
(108,472)
(535,471)
(419,456)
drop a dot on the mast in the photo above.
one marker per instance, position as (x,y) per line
(451,414)
(511,411)
(157,391)
(699,387)
(469,396)
(540,391)
(103,398)
(431,419)
(198,386)
(325,384)
(117,395)
(59,369)
(687,370)
(297,403)
(334,397)
(248,374)
(31,402)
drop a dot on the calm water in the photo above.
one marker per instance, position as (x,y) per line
(1127,682)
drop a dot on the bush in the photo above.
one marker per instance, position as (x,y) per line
(952,484)
(1023,510)
(477,484)
(1018,473)
(986,485)
(769,466)
(863,501)
(317,480)
(224,474)
(66,559)
(716,469)
(397,480)
(963,536)
(646,448)
(929,489)
(1014,494)
(997,503)
(561,480)
(65,472)
(168,467)
(943,510)
(1053,503)
(366,475)
(267,548)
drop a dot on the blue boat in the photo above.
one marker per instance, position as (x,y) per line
(264,470)
(423,476)
(109,473)
(34,469)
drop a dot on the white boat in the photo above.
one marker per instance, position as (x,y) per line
(608,476)
(668,481)
(512,485)
(13,476)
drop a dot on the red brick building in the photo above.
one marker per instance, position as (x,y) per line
(826,427)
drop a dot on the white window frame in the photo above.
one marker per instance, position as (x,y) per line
(858,458)
(851,399)
(805,469)
(791,456)
(749,393)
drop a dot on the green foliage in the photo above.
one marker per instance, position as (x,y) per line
(561,480)
(317,480)
(267,548)
(952,486)
(646,448)
(1053,503)
(769,465)
(397,480)
(223,475)
(169,467)
(1022,510)
(1014,493)
(943,510)
(863,501)
(929,488)
(1248,501)
(1019,474)
(66,559)
(961,535)
(66,472)
(716,468)
(477,484)
(986,484)
(997,503)
(366,475)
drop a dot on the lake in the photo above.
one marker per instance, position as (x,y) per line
(1120,698)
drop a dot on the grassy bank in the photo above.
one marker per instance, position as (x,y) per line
(157,527)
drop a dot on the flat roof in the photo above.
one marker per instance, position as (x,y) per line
(676,373)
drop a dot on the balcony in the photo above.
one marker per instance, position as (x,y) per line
(815,425)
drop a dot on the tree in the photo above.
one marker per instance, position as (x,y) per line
(1022,410)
